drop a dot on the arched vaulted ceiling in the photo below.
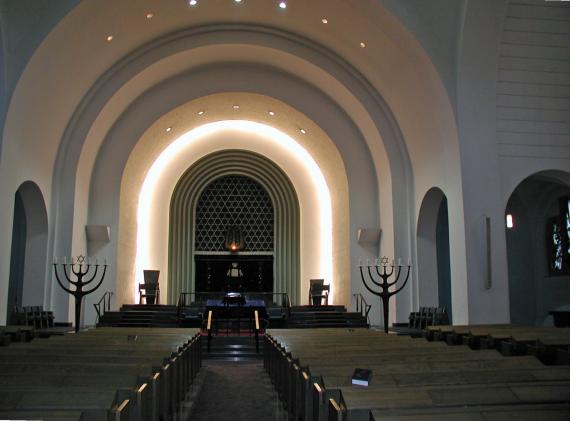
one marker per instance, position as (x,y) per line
(76,53)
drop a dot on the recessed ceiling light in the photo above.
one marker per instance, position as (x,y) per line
(193,2)
(271,113)
(324,20)
(149,15)
(303,131)
(237,1)
(200,112)
(168,129)
(236,107)
(282,5)
(109,38)
(363,45)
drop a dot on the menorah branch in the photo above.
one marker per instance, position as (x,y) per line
(404,284)
(372,277)
(100,281)
(94,274)
(365,284)
(59,281)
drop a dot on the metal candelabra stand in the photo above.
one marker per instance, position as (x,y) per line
(384,275)
(79,284)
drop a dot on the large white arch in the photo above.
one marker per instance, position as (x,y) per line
(286,152)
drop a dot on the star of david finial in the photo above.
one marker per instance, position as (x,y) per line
(384,261)
(80,259)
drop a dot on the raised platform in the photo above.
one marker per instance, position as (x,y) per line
(136,315)
(324,316)
(141,315)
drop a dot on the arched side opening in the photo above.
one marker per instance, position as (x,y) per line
(538,247)
(434,268)
(17,257)
(182,248)
(29,248)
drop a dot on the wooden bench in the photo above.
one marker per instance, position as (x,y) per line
(428,316)
(17,334)
(357,404)
(141,374)
(310,369)
(550,412)
(44,415)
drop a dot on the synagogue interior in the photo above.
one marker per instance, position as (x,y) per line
(285,210)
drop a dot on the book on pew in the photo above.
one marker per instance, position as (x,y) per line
(361,376)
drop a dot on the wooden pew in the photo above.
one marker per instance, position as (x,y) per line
(357,404)
(43,415)
(17,333)
(175,372)
(172,372)
(281,363)
(551,412)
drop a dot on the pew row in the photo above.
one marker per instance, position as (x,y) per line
(312,373)
(119,374)
(542,342)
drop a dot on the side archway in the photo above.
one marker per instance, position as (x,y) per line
(184,199)
(536,286)
(434,269)
(28,262)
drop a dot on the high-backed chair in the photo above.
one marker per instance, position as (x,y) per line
(150,290)
(317,291)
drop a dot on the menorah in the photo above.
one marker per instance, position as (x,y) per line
(385,293)
(79,284)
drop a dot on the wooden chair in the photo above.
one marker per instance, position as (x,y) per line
(317,291)
(440,317)
(150,290)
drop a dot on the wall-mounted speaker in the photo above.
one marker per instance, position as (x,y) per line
(98,233)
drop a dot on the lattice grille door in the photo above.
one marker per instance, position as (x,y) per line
(234,201)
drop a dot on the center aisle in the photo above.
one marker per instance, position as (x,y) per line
(237,391)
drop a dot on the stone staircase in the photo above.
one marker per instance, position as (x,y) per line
(324,316)
(136,315)
(232,348)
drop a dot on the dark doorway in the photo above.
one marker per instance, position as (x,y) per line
(217,273)
(434,252)
(443,259)
(28,264)
(17,257)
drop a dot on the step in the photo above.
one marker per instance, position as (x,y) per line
(149,307)
(232,348)
(304,309)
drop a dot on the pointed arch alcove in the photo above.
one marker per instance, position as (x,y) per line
(182,218)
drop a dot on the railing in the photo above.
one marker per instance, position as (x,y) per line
(362,306)
(103,305)
(209,328)
(256,314)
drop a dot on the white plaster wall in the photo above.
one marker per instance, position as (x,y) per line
(476,118)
